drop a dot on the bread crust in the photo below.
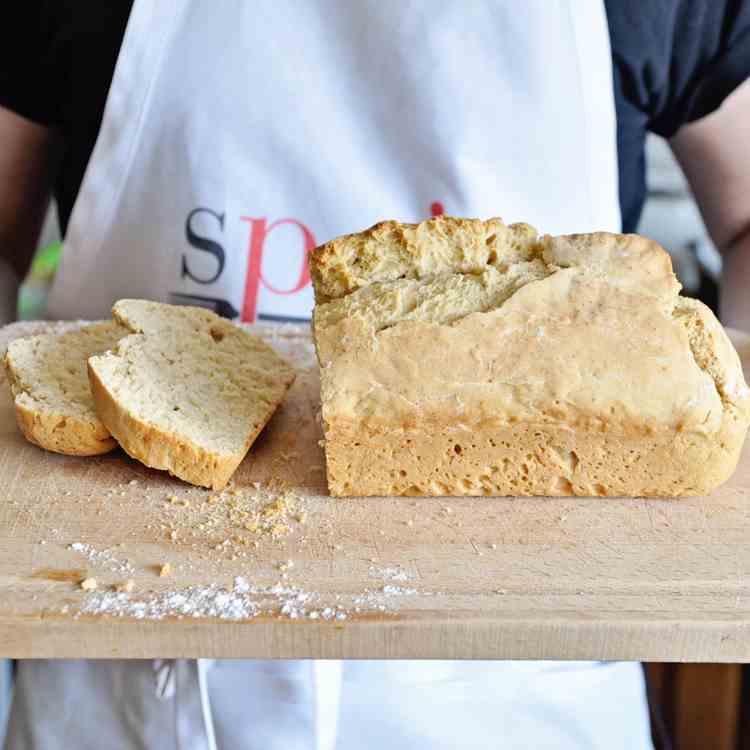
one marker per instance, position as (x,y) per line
(348,263)
(528,459)
(51,428)
(63,434)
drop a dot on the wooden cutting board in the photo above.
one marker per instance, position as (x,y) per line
(273,567)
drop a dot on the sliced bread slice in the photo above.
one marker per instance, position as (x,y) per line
(187,391)
(50,387)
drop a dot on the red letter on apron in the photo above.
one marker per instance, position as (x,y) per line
(258,233)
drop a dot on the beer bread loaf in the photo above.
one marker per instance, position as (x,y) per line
(467,357)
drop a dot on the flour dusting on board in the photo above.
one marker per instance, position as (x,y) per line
(104,558)
(390,574)
(243,601)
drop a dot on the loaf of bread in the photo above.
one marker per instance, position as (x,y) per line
(464,357)
(50,387)
(186,391)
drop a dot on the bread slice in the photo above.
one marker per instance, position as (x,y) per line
(463,357)
(50,387)
(187,391)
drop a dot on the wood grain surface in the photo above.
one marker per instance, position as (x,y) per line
(520,578)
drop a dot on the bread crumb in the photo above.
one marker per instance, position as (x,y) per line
(126,587)
(89,584)
(166,570)
(276,508)
(174,500)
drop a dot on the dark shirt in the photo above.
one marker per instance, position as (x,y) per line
(674,61)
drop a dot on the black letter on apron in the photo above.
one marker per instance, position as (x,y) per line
(203,243)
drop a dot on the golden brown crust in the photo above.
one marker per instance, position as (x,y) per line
(530,459)
(63,434)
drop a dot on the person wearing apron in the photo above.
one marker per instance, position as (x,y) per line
(236,137)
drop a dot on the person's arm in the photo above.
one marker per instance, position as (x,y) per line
(714,153)
(29,155)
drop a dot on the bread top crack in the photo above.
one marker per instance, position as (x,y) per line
(466,322)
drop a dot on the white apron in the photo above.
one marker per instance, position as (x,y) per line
(236,137)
